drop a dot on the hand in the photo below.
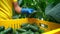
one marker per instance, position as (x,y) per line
(27,10)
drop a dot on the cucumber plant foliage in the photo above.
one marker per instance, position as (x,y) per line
(41,6)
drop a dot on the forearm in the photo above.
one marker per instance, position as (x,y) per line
(16,7)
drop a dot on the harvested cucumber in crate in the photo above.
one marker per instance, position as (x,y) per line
(25,29)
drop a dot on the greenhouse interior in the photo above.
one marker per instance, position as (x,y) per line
(29,16)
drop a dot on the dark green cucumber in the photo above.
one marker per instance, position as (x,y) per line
(27,27)
(16,32)
(41,31)
(2,28)
(28,32)
(36,33)
(21,30)
(24,25)
(9,30)
(34,28)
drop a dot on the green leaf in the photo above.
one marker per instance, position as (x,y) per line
(54,13)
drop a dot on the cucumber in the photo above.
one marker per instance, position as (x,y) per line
(34,28)
(16,32)
(9,30)
(1,32)
(27,27)
(41,31)
(21,30)
(24,25)
(36,33)
(24,33)
(28,32)
(2,28)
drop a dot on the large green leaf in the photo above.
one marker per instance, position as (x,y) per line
(54,12)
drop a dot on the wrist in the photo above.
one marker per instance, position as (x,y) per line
(23,10)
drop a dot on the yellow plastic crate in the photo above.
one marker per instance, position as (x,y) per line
(16,23)
(56,31)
